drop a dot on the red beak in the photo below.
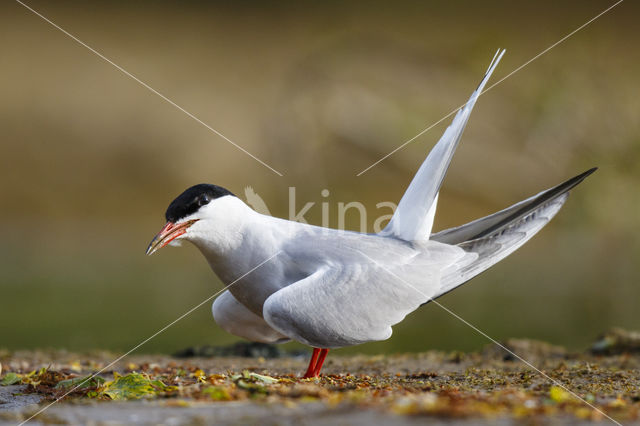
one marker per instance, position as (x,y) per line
(168,233)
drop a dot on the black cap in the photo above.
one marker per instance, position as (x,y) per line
(192,199)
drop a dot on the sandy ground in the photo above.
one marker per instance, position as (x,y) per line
(487,387)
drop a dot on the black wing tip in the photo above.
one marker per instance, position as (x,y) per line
(582,176)
(540,199)
(569,184)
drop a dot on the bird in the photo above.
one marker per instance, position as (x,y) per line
(331,288)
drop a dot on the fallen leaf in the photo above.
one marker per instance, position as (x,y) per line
(86,381)
(11,379)
(133,386)
(559,395)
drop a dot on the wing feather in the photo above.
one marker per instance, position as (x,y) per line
(413,219)
(359,298)
(504,218)
(494,237)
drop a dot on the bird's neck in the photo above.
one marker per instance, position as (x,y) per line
(236,242)
(240,246)
(223,231)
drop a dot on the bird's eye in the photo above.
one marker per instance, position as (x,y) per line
(202,200)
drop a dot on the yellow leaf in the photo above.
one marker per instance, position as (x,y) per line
(559,395)
(199,374)
(133,386)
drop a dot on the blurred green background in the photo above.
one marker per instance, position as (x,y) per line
(91,159)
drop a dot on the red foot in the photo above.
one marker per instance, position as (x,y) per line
(312,364)
(315,364)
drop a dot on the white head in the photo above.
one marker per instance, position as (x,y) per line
(203,212)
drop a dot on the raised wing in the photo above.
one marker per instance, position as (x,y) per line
(496,236)
(358,299)
(494,223)
(413,219)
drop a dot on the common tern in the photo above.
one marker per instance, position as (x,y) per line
(330,288)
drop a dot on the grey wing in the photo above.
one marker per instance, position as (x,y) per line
(236,319)
(359,299)
(413,218)
(496,236)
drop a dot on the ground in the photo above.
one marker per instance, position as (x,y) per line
(487,387)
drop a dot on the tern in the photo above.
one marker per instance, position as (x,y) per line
(330,288)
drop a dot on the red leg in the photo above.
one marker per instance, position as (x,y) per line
(321,358)
(312,364)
